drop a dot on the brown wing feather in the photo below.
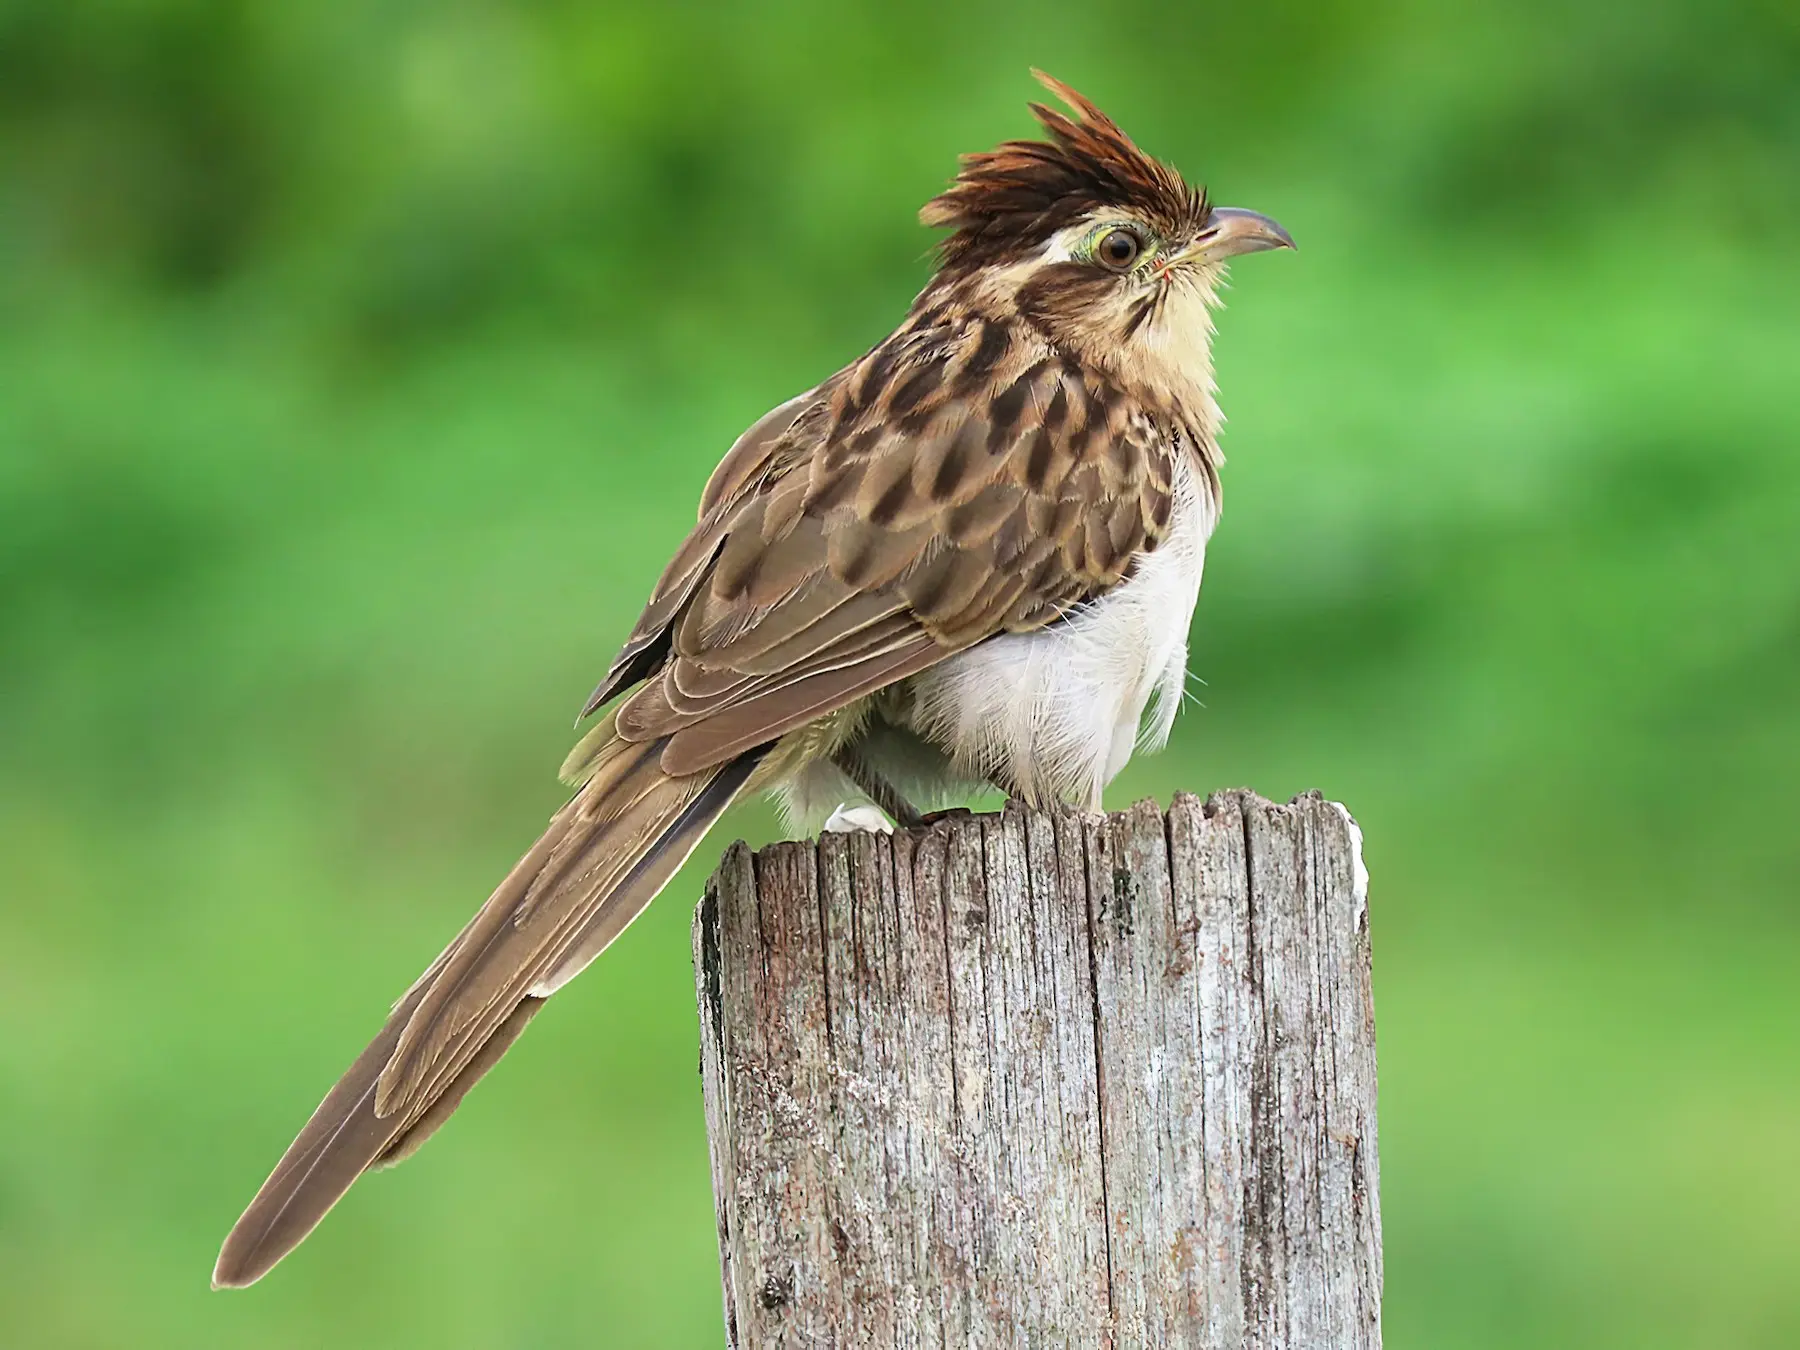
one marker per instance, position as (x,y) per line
(958,482)
(770,442)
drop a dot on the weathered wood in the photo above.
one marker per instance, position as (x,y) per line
(1047,1080)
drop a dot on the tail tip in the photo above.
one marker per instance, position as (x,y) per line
(237,1270)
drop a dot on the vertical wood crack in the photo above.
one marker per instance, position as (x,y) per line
(1100,1080)
(818,859)
(1263,1178)
(956,1115)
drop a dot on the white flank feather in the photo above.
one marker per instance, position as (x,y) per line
(1058,711)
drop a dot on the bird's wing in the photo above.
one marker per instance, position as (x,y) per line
(952,485)
(911,509)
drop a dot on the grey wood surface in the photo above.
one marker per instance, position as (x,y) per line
(1047,1080)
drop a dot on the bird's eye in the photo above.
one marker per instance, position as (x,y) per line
(1119,249)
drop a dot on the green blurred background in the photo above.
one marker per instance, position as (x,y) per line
(360,365)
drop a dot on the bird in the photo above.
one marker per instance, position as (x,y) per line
(968,559)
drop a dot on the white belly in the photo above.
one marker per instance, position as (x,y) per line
(1056,714)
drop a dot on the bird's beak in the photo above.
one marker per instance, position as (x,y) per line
(1230,231)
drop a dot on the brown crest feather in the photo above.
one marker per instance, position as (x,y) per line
(1010,199)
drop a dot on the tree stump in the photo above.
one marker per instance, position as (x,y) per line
(1042,1080)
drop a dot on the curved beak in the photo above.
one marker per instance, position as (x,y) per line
(1230,231)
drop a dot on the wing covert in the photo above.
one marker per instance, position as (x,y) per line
(948,487)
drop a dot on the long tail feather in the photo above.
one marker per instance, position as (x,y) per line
(599,864)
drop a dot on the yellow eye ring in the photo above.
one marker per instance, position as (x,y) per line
(1118,249)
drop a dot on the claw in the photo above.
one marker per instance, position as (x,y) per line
(948,813)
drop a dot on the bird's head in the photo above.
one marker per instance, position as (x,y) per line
(1108,251)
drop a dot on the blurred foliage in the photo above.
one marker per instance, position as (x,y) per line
(359,366)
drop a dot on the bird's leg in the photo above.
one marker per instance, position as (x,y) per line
(965,812)
(850,762)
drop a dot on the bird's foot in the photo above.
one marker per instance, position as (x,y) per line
(849,819)
(948,813)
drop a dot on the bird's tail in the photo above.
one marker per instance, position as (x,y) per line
(603,858)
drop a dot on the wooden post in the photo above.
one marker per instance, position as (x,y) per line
(1047,1080)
